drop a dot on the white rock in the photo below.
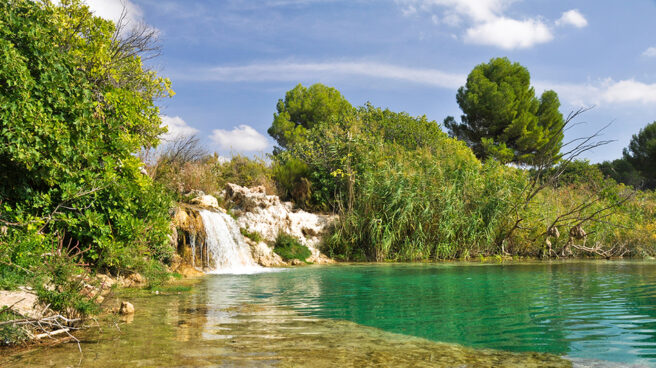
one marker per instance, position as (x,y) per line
(267,215)
(23,302)
(206,200)
(264,255)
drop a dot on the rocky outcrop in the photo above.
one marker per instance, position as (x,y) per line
(268,215)
(206,201)
(254,211)
(264,254)
(190,237)
(23,301)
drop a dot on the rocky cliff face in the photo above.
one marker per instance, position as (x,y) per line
(256,212)
(268,215)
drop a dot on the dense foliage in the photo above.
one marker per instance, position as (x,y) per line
(637,167)
(302,109)
(289,248)
(404,190)
(504,119)
(183,166)
(76,105)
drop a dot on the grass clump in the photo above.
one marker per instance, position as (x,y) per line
(288,248)
(252,235)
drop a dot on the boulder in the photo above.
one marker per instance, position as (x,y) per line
(264,255)
(126,308)
(207,201)
(134,280)
(106,282)
(137,279)
(23,302)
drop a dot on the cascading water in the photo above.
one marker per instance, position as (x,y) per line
(225,245)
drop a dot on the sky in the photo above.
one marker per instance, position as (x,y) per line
(231,60)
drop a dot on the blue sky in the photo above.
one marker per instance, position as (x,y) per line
(230,61)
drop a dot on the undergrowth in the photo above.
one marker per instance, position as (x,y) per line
(288,248)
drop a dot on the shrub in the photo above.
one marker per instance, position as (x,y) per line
(288,248)
(11,334)
(252,235)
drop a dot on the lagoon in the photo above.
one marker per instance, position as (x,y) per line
(586,313)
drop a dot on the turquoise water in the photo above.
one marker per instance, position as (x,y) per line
(592,310)
(595,314)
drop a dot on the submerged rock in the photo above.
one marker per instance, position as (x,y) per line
(126,308)
(268,215)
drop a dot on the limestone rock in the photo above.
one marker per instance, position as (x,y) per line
(264,255)
(137,279)
(126,308)
(106,282)
(134,280)
(176,262)
(268,215)
(207,201)
(23,302)
(188,271)
(296,262)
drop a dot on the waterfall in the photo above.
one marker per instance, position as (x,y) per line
(225,246)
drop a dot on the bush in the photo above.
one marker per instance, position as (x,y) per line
(183,165)
(252,235)
(11,334)
(78,104)
(288,248)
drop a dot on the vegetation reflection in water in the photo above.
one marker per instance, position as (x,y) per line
(305,317)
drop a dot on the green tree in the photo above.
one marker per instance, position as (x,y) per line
(641,154)
(302,109)
(503,118)
(622,171)
(76,104)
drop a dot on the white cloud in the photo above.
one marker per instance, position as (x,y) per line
(509,33)
(590,93)
(607,91)
(650,52)
(477,10)
(112,10)
(572,18)
(242,138)
(408,11)
(485,22)
(285,71)
(630,91)
(177,128)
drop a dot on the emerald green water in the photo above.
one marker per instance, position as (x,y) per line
(595,314)
(593,310)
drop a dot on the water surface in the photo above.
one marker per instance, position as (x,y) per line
(592,313)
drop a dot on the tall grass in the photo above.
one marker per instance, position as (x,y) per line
(417,205)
